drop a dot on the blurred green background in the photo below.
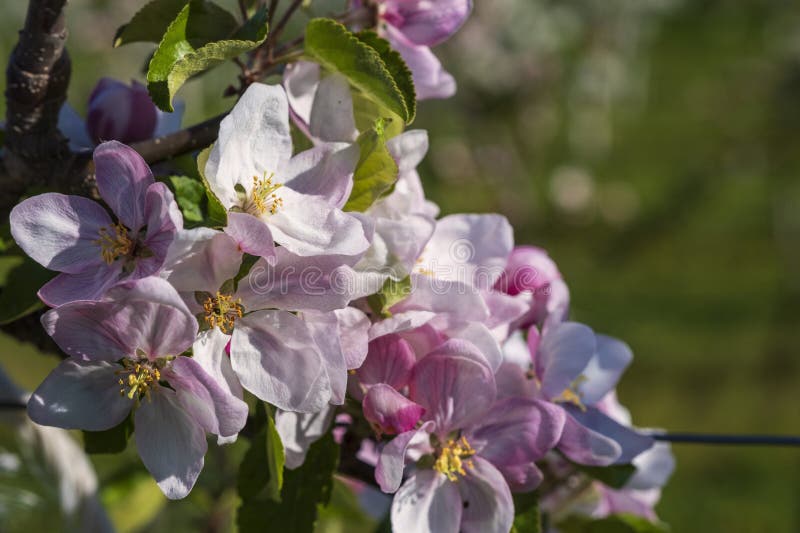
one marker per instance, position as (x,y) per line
(653,147)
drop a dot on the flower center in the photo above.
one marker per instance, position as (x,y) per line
(138,377)
(222,311)
(571,395)
(264,199)
(454,455)
(114,242)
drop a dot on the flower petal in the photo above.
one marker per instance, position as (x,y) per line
(486,499)
(254,139)
(325,171)
(427,503)
(388,411)
(251,234)
(353,331)
(123,178)
(214,408)
(276,358)
(308,225)
(588,447)
(202,259)
(301,80)
(428,23)
(390,360)
(408,149)
(604,369)
(299,431)
(171,444)
(87,285)
(80,395)
(332,113)
(430,78)
(392,458)
(324,327)
(630,442)
(60,232)
(209,352)
(563,354)
(454,384)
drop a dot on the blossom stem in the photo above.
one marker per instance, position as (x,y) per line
(706,438)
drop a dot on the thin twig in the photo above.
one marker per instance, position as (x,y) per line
(13,405)
(273,5)
(279,27)
(705,438)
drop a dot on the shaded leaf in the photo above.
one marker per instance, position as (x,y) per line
(618,523)
(261,471)
(190,194)
(23,281)
(334,47)
(527,518)
(375,172)
(113,440)
(396,66)
(305,490)
(614,476)
(391,293)
(149,23)
(217,214)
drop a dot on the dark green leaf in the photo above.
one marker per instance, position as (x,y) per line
(614,476)
(149,23)
(23,281)
(527,518)
(375,172)
(305,490)
(396,67)
(247,263)
(391,293)
(198,39)
(217,214)
(190,196)
(619,523)
(261,471)
(113,440)
(339,50)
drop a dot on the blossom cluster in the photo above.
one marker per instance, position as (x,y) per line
(448,343)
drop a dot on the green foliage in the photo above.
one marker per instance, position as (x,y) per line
(149,23)
(305,491)
(247,263)
(391,293)
(614,476)
(344,513)
(334,47)
(375,172)
(396,66)
(113,440)
(261,470)
(527,518)
(618,523)
(217,214)
(23,278)
(190,194)
(202,36)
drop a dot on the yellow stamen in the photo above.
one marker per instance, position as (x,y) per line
(454,455)
(222,311)
(264,199)
(142,376)
(114,242)
(571,394)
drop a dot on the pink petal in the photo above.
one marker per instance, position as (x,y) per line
(123,178)
(390,412)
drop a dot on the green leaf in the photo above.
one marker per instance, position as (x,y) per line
(375,172)
(261,471)
(527,518)
(113,440)
(391,293)
(366,112)
(23,281)
(345,513)
(618,523)
(197,40)
(149,23)
(247,263)
(396,66)
(614,476)
(334,47)
(217,214)
(305,490)
(190,195)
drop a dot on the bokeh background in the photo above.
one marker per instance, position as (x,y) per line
(653,147)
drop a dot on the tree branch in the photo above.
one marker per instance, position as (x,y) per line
(180,142)
(37,78)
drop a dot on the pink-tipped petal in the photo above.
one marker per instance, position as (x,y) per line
(251,234)
(486,499)
(390,412)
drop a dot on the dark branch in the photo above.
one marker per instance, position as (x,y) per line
(704,438)
(181,142)
(37,78)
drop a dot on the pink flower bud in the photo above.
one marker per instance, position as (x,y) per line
(120,112)
(389,412)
